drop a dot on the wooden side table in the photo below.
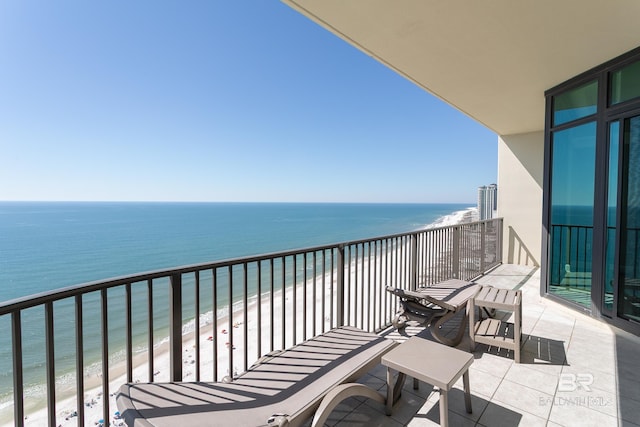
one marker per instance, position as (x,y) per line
(433,363)
(493,331)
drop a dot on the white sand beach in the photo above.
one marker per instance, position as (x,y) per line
(66,409)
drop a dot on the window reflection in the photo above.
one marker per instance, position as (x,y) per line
(575,104)
(625,83)
(572,196)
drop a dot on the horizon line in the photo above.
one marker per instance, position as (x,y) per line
(239,202)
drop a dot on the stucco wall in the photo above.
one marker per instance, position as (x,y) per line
(520,172)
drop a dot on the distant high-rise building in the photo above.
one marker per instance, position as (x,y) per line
(487,201)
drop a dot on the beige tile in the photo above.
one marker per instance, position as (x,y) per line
(545,349)
(380,372)
(490,363)
(481,383)
(533,361)
(629,409)
(527,326)
(502,353)
(424,390)
(550,319)
(593,339)
(548,329)
(567,414)
(342,410)
(591,399)
(558,319)
(419,421)
(373,382)
(457,405)
(529,307)
(532,378)
(432,419)
(370,414)
(524,398)
(592,378)
(406,408)
(600,360)
(626,344)
(502,414)
(559,341)
(628,385)
(593,336)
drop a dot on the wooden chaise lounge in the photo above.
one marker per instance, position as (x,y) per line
(283,389)
(434,305)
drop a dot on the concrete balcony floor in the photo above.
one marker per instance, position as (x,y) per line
(574,371)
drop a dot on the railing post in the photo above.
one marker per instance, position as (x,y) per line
(340,287)
(175,328)
(79,360)
(483,246)
(50,364)
(150,328)
(104,327)
(18,390)
(129,332)
(456,253)
(500,236)
(414,262)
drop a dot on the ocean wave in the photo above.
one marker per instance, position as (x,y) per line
(458,217)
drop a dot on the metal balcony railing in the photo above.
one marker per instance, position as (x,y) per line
(263,303)
(571,262)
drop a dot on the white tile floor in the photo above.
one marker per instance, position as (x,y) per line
(575,371)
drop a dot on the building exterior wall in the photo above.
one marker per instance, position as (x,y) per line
(487,201)
(520,179)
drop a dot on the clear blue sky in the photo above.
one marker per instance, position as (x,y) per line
(217,101)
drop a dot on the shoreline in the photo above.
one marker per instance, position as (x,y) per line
(92,399)
(209,338)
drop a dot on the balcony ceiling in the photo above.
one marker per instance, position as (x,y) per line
(492,60)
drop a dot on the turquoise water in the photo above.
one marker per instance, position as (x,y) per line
(45,246)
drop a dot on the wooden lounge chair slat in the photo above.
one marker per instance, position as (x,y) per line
(491,296)
(445,298)
(484,292)
(293,382)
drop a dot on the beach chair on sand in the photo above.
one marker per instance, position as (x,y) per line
(282,389)
(434,305)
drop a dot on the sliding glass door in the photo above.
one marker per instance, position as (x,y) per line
(592,192)
(573,172)
(573,177)
(629,227)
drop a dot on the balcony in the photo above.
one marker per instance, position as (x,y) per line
(574,371)
(572,365)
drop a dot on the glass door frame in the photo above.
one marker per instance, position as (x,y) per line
(605,115)
(598,237)
(613,315)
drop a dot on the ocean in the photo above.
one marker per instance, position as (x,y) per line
(49,245)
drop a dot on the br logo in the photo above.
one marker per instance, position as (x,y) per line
(573,382)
